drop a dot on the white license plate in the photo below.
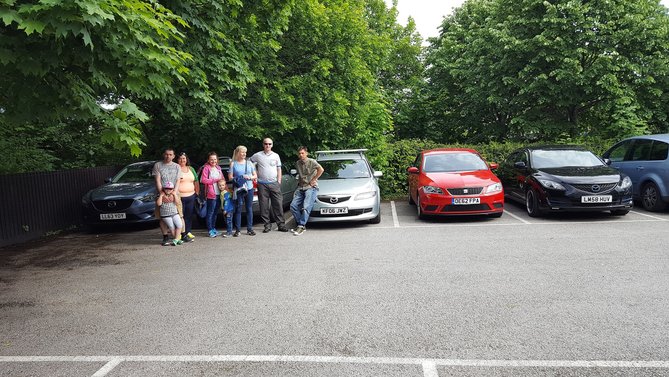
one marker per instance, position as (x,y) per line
(112,216)
(596,199)
(334,211)
(466,200)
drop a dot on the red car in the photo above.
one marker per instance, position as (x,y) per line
(454,181)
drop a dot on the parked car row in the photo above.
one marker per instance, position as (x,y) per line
(444,182)
(545,179)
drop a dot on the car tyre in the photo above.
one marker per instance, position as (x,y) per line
(651,199)
(532,203)
(620,212)
(419,210)
(377,219)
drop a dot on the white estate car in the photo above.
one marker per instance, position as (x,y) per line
(348,189)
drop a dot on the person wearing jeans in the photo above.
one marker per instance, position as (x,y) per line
(308,172)
(242,173)
(211,174)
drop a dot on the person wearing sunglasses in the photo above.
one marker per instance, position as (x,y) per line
(270,200)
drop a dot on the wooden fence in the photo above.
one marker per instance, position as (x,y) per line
(34,204)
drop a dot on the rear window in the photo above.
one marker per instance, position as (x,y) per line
(453,162)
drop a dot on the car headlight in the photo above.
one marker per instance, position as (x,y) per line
(365,195)
(432,190)
(497,187)
(550,184)
(626,183)
(148,198)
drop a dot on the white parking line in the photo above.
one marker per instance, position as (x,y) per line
(652,217)
(517,217)
(396,221)
(429,365)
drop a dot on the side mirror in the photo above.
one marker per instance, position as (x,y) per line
(494,165)
(520,165)
(607,161)
(108,180)
(378,174)
(412,170)
(293,172)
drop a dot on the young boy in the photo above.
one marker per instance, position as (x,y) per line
(228,207)
(169,215)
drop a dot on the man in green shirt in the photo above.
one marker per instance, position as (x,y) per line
(308,172)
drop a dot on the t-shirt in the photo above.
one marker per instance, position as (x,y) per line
(267,165)
(306,171)
(215,174)
(187,184)
(169,208)
(168,172)
(239,169)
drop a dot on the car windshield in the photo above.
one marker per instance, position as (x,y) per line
(344,169)
(542,159)
(453,162)
(134,173)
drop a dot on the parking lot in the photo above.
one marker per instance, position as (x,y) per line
(567,295)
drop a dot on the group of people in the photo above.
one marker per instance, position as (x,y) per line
(178,185)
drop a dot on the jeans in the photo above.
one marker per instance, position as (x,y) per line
(188,204)
(213,205)
(270,201)
(239,201)
(228,223)
(303,202)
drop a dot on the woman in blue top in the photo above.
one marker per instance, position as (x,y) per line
(242,173)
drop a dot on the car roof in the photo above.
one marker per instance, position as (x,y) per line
(142,163)
(660,137)
(449,150)
(339,156)
(556,148)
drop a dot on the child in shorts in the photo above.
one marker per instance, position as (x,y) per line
(227,206)
(167,203)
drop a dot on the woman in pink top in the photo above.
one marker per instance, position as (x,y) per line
(189,189)
(211,174)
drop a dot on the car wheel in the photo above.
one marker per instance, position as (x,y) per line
(377,219)
(620,212)
(419,210)
(532,203)
(651,199)
(411,202)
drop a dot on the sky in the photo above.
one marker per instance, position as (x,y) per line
(428,14)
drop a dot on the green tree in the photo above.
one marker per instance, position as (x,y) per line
(546,69)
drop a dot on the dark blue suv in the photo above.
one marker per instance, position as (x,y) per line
(644,160)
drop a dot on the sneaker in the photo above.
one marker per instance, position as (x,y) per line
(251,233)
(236,233)
(190,236)
(283,229)
(177,242)
(212,234)
(166,240)
(227,235)
(299,231)
(268,228)
(218,232)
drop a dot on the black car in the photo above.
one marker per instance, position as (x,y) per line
(128,197)
(564,178)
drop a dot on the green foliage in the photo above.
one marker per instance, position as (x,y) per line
(533,70)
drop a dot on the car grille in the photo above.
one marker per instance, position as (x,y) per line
(596,189)
(332,199)
(465,191)
(112,205)
(464,208)
(351,212)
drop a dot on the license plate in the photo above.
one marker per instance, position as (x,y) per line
(466,200)
(334,211)
(597,199)
(112,216)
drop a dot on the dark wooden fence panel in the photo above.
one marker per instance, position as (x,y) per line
(36,203)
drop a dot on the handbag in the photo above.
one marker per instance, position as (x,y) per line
(201,207)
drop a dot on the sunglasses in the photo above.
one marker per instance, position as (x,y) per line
(267,143)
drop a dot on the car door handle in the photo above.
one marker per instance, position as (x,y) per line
(640,168)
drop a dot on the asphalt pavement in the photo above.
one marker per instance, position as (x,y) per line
(567,295)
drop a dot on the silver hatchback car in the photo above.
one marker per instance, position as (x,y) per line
(348,190)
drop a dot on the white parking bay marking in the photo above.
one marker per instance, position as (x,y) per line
(108,367)
(516,217)
(396,221)
(652,217)
(430,369)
